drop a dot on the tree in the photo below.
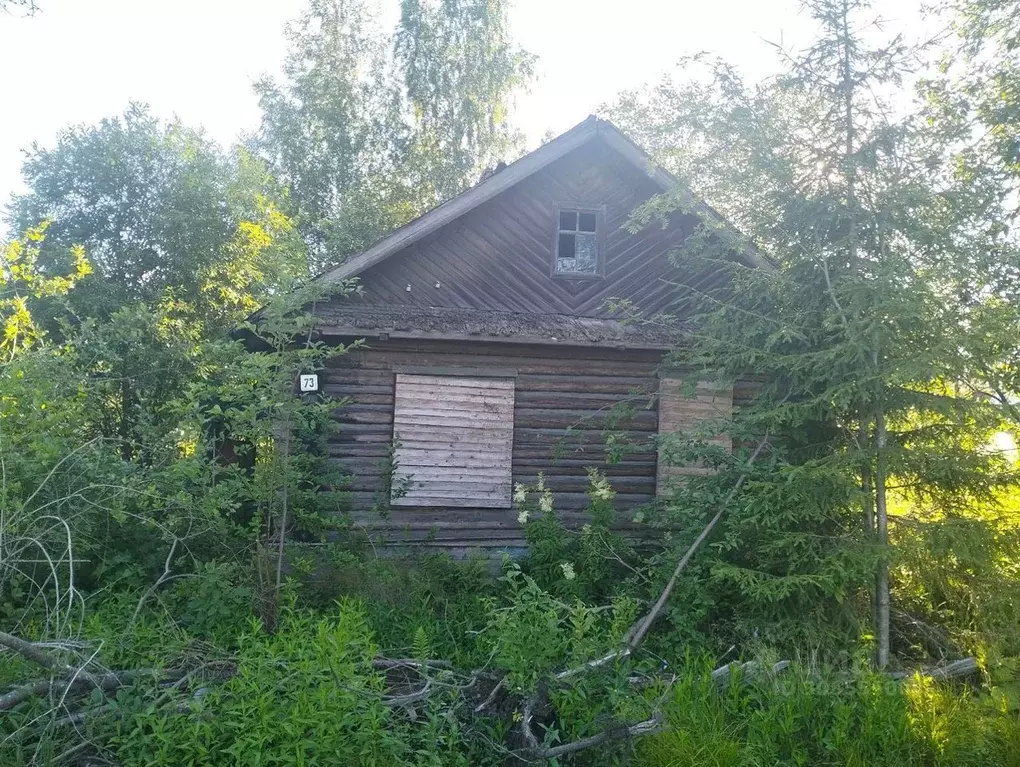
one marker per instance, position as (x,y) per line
(26,7)
(973,100)
(331,131)
(366,137)
(460,71)
(858,331)
(183,241)
(165,217)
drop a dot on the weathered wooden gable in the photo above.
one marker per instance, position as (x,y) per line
(499,256)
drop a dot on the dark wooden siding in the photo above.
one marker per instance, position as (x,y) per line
(564,403)
(499,256)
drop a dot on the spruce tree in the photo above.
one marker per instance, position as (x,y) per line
(856,333)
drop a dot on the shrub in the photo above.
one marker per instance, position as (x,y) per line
(304,695)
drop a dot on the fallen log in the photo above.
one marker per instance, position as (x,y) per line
(957,669)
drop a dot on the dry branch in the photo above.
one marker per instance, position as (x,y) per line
(956,669)
(748,671)
(68,677)
(491,697)
(30,651)
(637,632)
(405,700)
(648,726)
(388,663)
(166,575)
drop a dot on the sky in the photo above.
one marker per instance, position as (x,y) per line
(77,61)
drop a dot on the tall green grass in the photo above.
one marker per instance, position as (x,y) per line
(817,719)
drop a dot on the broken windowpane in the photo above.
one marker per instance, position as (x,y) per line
(566,246)
(577,242)
(585,253)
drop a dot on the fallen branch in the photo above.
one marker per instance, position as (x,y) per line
(636,634)
(76,679)
(646,727)
(958,668)
(753,669)
(639,629)
(159,582)
(490,698)
(30,651)
(748,671)
(404,700)
(388,663)
(110,680)
(527,714)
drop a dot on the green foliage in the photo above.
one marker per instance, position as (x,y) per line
(304,695)
(165,217)
(784,568)
(461,70)
(366,138)
(864,332)
(214,602)
(129,482)
(167,499)
(957,574)
(22,281)
(821,718)
(592,563)
(432,596)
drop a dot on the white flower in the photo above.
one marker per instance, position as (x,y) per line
(541,481)
(568,570)
(546,503)
(599,486)
(522,516)
(520,494)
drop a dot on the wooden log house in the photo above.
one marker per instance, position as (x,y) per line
(492,353)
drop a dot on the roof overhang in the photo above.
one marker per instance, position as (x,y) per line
(351,320)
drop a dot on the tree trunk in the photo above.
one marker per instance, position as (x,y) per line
(868,491)
(882,527)
(284,510)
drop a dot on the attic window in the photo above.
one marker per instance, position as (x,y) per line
(578,242)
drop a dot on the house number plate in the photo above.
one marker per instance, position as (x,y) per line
(309,382)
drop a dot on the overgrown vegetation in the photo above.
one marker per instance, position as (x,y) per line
(181,582)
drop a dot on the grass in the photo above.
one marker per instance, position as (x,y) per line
(858,720)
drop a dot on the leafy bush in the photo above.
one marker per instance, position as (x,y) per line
(590,563)
(307,694)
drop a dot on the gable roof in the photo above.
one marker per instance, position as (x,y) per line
(590,129)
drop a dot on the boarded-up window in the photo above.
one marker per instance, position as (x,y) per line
(454,440)
(693,411)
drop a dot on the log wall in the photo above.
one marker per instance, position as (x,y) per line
(566,402)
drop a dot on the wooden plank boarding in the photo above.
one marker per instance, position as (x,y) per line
(680,412)
(459,441)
